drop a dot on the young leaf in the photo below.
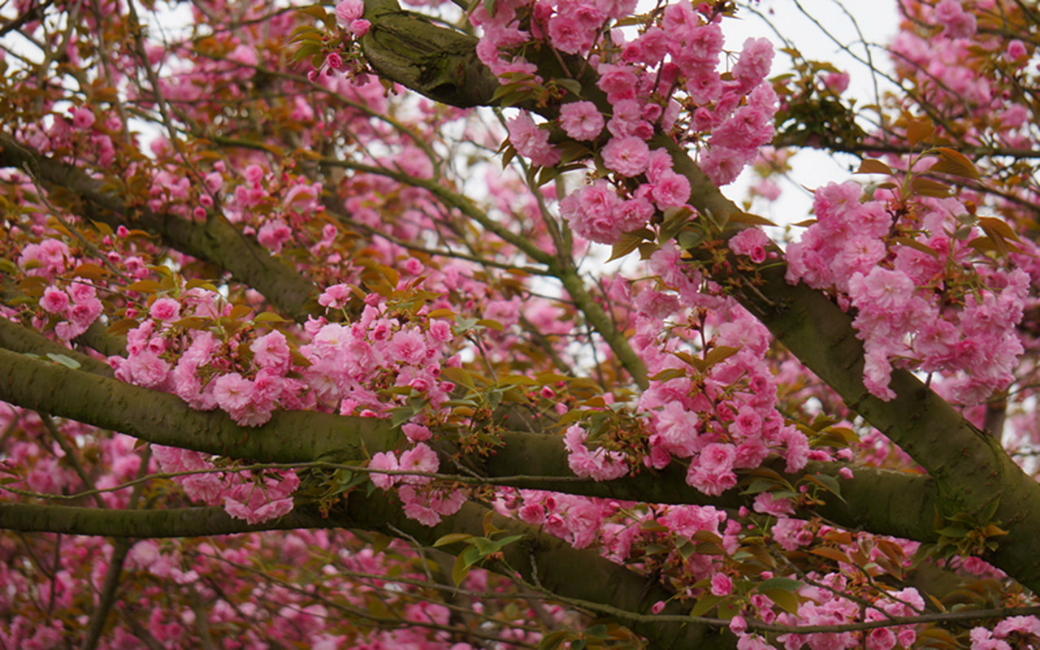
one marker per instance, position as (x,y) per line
(918,131)
(954,163)
(874,166)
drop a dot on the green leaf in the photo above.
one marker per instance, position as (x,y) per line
(748,218)
(784,584)
(784,599)
(928,187)
(571,85)
(990,510)
(452,538)
(460,569)
(68,362)
(629,242)
(704,604)
(554,640)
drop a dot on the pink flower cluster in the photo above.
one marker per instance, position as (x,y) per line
(722,419)
(599,465)
(78,305)
(823,607)
(902,294)
(643,79)
(1010,629)
(421,502)
(254,498)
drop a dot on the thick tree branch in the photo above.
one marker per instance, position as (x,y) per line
(539,558)
(165,419)
(891,503)
(215,241)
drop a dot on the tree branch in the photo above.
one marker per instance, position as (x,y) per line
(562,569)
(215,241)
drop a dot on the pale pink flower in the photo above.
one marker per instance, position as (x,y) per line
(419,459)
(271,351)
(531,141)
(232,391)
(754,62)
(407,346)
(627,156)
(721,585)
(82,292)
(768,504)
(54,300)
(165,309)
(670,190)
(387,461)
(581,120)
(335,297)
(347,11)
(751,242)
(416,432)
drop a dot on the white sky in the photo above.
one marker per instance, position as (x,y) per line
(877,21)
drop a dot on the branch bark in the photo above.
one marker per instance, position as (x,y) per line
(538,558)
(891,503)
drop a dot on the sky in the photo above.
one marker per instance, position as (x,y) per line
(806,24)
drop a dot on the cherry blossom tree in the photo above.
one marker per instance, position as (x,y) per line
(362,326)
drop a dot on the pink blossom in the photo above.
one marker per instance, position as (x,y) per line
(419,459)
(567,34)
(54,300)
(754,62)
(274,235)
(84,313)
(983,639)
(721,585)
(147,369)
(335,297)
(232,391)
(581,120)
(417,506)
(271,351)
(531,141)
(83,118)
(677,427)
(387,461)
(407,346)
(165,309)
(768,504)
(670,190)
(360,27)
(627,156)
(416,432)
(751,242)
(82,291)
(1016,50)
(440,331)
(956,22)
(347,11)
(591,213)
